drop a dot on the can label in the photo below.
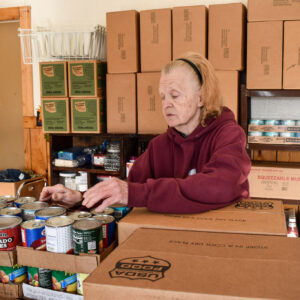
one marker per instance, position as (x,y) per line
(10,238)
(28,214)
(59,239)
(15,274)
(34,237)
(40,277)
(108,234)
(80,278)
(86,241)
(63,281)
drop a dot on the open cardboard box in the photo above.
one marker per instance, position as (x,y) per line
(174,264)
(247,216)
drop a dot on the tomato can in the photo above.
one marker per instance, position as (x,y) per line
(40,277)
(63,281)
(120,211)
(107,211)
(10,232)
(49,212)
(23,200)
(80,215)
(9,199)
(11,211)
(33,234)
(80,279)
(15,274)
(59,234)
(87,234)
(108,228)
(29,209)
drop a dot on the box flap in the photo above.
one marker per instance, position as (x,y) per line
(11,291)
(8,258)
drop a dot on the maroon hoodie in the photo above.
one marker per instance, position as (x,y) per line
(160,180)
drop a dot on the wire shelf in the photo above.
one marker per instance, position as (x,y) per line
(42,44)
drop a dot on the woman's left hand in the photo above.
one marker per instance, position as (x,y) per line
(106,193)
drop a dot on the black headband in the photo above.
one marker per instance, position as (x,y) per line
(194,67)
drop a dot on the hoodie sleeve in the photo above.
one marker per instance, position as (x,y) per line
(221,181)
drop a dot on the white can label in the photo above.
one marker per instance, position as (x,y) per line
(59,239)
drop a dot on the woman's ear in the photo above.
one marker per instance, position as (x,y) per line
(200,102)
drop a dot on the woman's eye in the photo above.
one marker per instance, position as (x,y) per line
(174,96)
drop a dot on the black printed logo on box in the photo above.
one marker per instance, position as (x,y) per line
(255,205)
(146,267)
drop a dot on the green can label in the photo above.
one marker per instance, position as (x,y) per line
(40,277)
(64,281)
(86,241)
(15,274)
(55,115)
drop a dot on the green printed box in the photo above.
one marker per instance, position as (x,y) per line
(87,78)
(56,112)
(53,79)
(88,115)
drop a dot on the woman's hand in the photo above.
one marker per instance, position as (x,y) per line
(106,193)
(61,195)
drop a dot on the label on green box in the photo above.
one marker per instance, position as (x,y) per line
(53,80)
(55,115)
(82,79)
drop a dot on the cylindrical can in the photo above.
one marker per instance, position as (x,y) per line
(23,200)
(288,122)
(287,134)
(80,279)
(11,211)
(120,211)
(15,274)
(271,133)
(29,209)
(255,133)
(80,215)
(108,228)
(107,211)
(3,204)
(63,281)
(9,199)
(10,232)
(49,212)
(297,134)
(33,234)
(272,122)
(297,122)
(59,234)
(40,277)
(257,122)
(86,235)
(98,160)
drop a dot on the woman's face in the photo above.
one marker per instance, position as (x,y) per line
(181,100)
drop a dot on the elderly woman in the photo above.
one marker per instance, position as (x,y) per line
(198,164)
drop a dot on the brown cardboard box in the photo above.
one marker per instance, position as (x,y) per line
(189,24)
(8,258)
(121,103)
(264,55)
(155,39)
(167,264)
(122,41)
(88,115)
(229,85)
(291,58)
(249,216)
(226,36)
(150,117)
(274,140)
(275,183)
(268,10)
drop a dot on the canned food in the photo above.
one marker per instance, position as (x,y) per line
(107,211)
(255,133)
(15,274)
(11,211)
(80,215)
(33,234)
(9,199)
(271,133)
(48,212)
(23,200)
(80,279)
(287,134)
(297,134)
(40,277)
(10,232)
(120,211)
(87,234)
(108,228)
(63,281)
(272,122)
(297,122)
(256,122)
(3,204)
(59,234)
(288,122)
(29,209)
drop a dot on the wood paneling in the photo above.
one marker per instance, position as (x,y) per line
(288,156)
(10,13)
(27,146)
(264,155)
(38,151)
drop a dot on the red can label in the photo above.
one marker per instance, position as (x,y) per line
(10,238)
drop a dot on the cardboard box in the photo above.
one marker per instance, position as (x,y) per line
(226,36)
(150,117)
(11,291)
(291,58)
(229,85)
(274,140)
(264,55)
(155,39)
(248,216)
(88,115)
(87,78)
(268,10)
(167,264)
(56,115)
(121,103)
(274,128)
(53,79)
(189,24)
(275,183)
(8,258)
(122,41)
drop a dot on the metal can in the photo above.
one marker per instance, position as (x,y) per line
(108,229)
(10,232)
(271,133)
(49,212)
(287,134)
(288,122)
(255,133)
(272,122)
(257,122)
(297,134)
(59,234)
(80,215)
(98,160)
(33,234)
(3,204)
(29,209)
(15,274)
(23,200)
(11,211)
(120,211)
(63,281)
(107,211)
(80,279)
(9,199)
(40,277)
(87,234)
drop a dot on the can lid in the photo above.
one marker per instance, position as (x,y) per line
(34,205)
(25,199)
(9,221)
(87,224)
(31,224)
(117,205)
(10,211)
(65,174)
(50,211)
(8,198)
(106,211)
(104,218)
(79,215)
(59,221)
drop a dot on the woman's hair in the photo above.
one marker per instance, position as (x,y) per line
(210,91)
